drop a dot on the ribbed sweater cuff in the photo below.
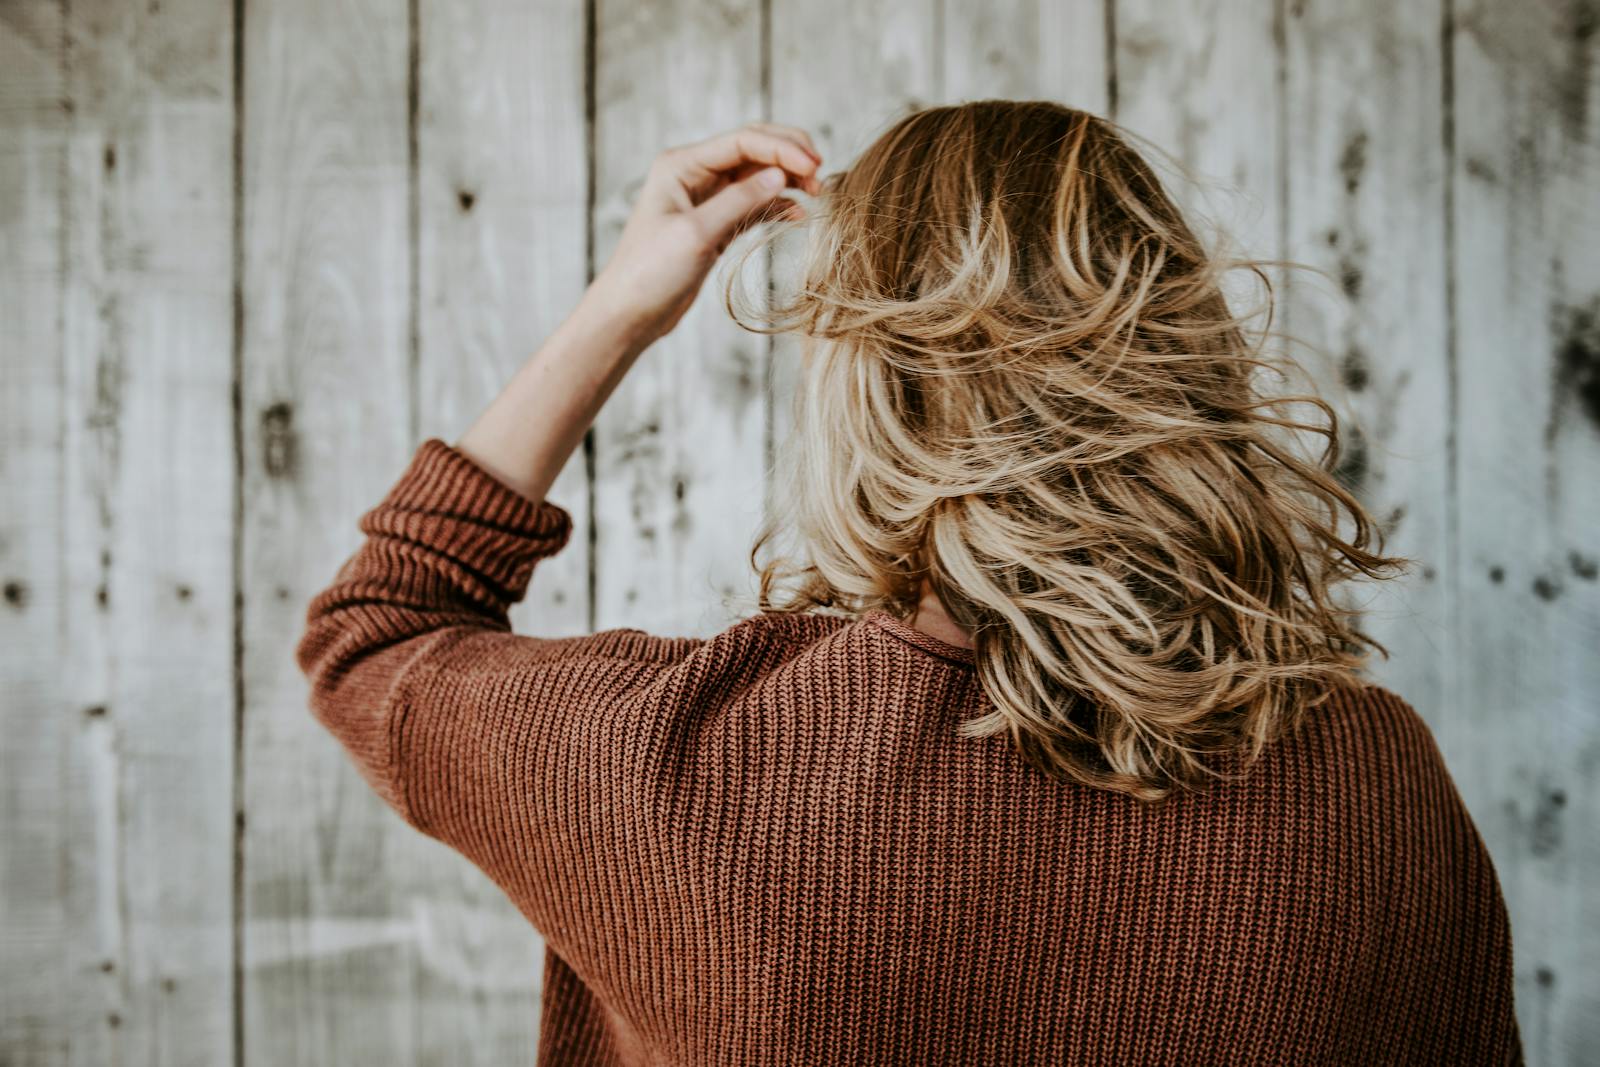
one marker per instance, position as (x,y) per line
(446,503)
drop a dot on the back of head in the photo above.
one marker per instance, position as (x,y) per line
(1023,387)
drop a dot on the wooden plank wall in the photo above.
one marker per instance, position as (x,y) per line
(252,253)
(116,789)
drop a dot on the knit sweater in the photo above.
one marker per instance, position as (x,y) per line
(770,846)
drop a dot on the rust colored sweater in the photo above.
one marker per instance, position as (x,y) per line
(770,846)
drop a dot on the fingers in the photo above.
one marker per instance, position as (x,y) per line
(741,204)
(764,145)
(794,133)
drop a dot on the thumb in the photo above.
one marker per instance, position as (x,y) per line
(731,208)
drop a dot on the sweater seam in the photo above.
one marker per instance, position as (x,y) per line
(428,665)
(397,722)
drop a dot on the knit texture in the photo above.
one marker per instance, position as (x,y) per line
(771,847)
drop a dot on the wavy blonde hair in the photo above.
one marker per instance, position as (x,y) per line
(1022,384)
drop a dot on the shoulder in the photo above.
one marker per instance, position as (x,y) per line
(754,643)
(1377,759)
(778,633)
(748,647)
(1362,765)
(836,655)
(1373,727)
(751,644)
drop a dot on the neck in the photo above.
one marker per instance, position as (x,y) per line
(933,620)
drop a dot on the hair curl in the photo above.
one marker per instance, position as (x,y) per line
(1023,386)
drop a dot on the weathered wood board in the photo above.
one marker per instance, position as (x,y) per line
(502,232)
(889,54)
(501,215)
(678,462)
(1363,202)
(1522,728)
(1026,50)
(338,966)
(45,755)
(116,209)
(1200,80)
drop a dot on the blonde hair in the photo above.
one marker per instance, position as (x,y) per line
(1023,384)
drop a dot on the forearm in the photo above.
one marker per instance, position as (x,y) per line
(525,437)
(695,199)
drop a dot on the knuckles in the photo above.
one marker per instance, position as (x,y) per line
(664,162)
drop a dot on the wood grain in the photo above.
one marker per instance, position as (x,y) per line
(1026,50)
(1199,79)
(338,962)
(892,54)
(502,152)
(1364,190)
(678,460)
(122,199)
(1524,734)
(502,223)
(45,926)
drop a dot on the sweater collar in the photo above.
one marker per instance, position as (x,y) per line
(920,639)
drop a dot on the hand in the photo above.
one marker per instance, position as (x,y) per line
(695,200)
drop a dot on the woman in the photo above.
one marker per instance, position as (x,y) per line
(1048,748)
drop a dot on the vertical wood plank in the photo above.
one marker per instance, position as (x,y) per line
(883,61)
(1026,49)
(1524,733)
(678,450)
(502,245)
(340,942)
(137,721)
(1365,204)
(46,926)
(503,231)
(148,442)
(1199,78)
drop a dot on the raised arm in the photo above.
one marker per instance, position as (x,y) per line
(695,200)
(451,717)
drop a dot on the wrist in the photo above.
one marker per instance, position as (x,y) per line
(606,312)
